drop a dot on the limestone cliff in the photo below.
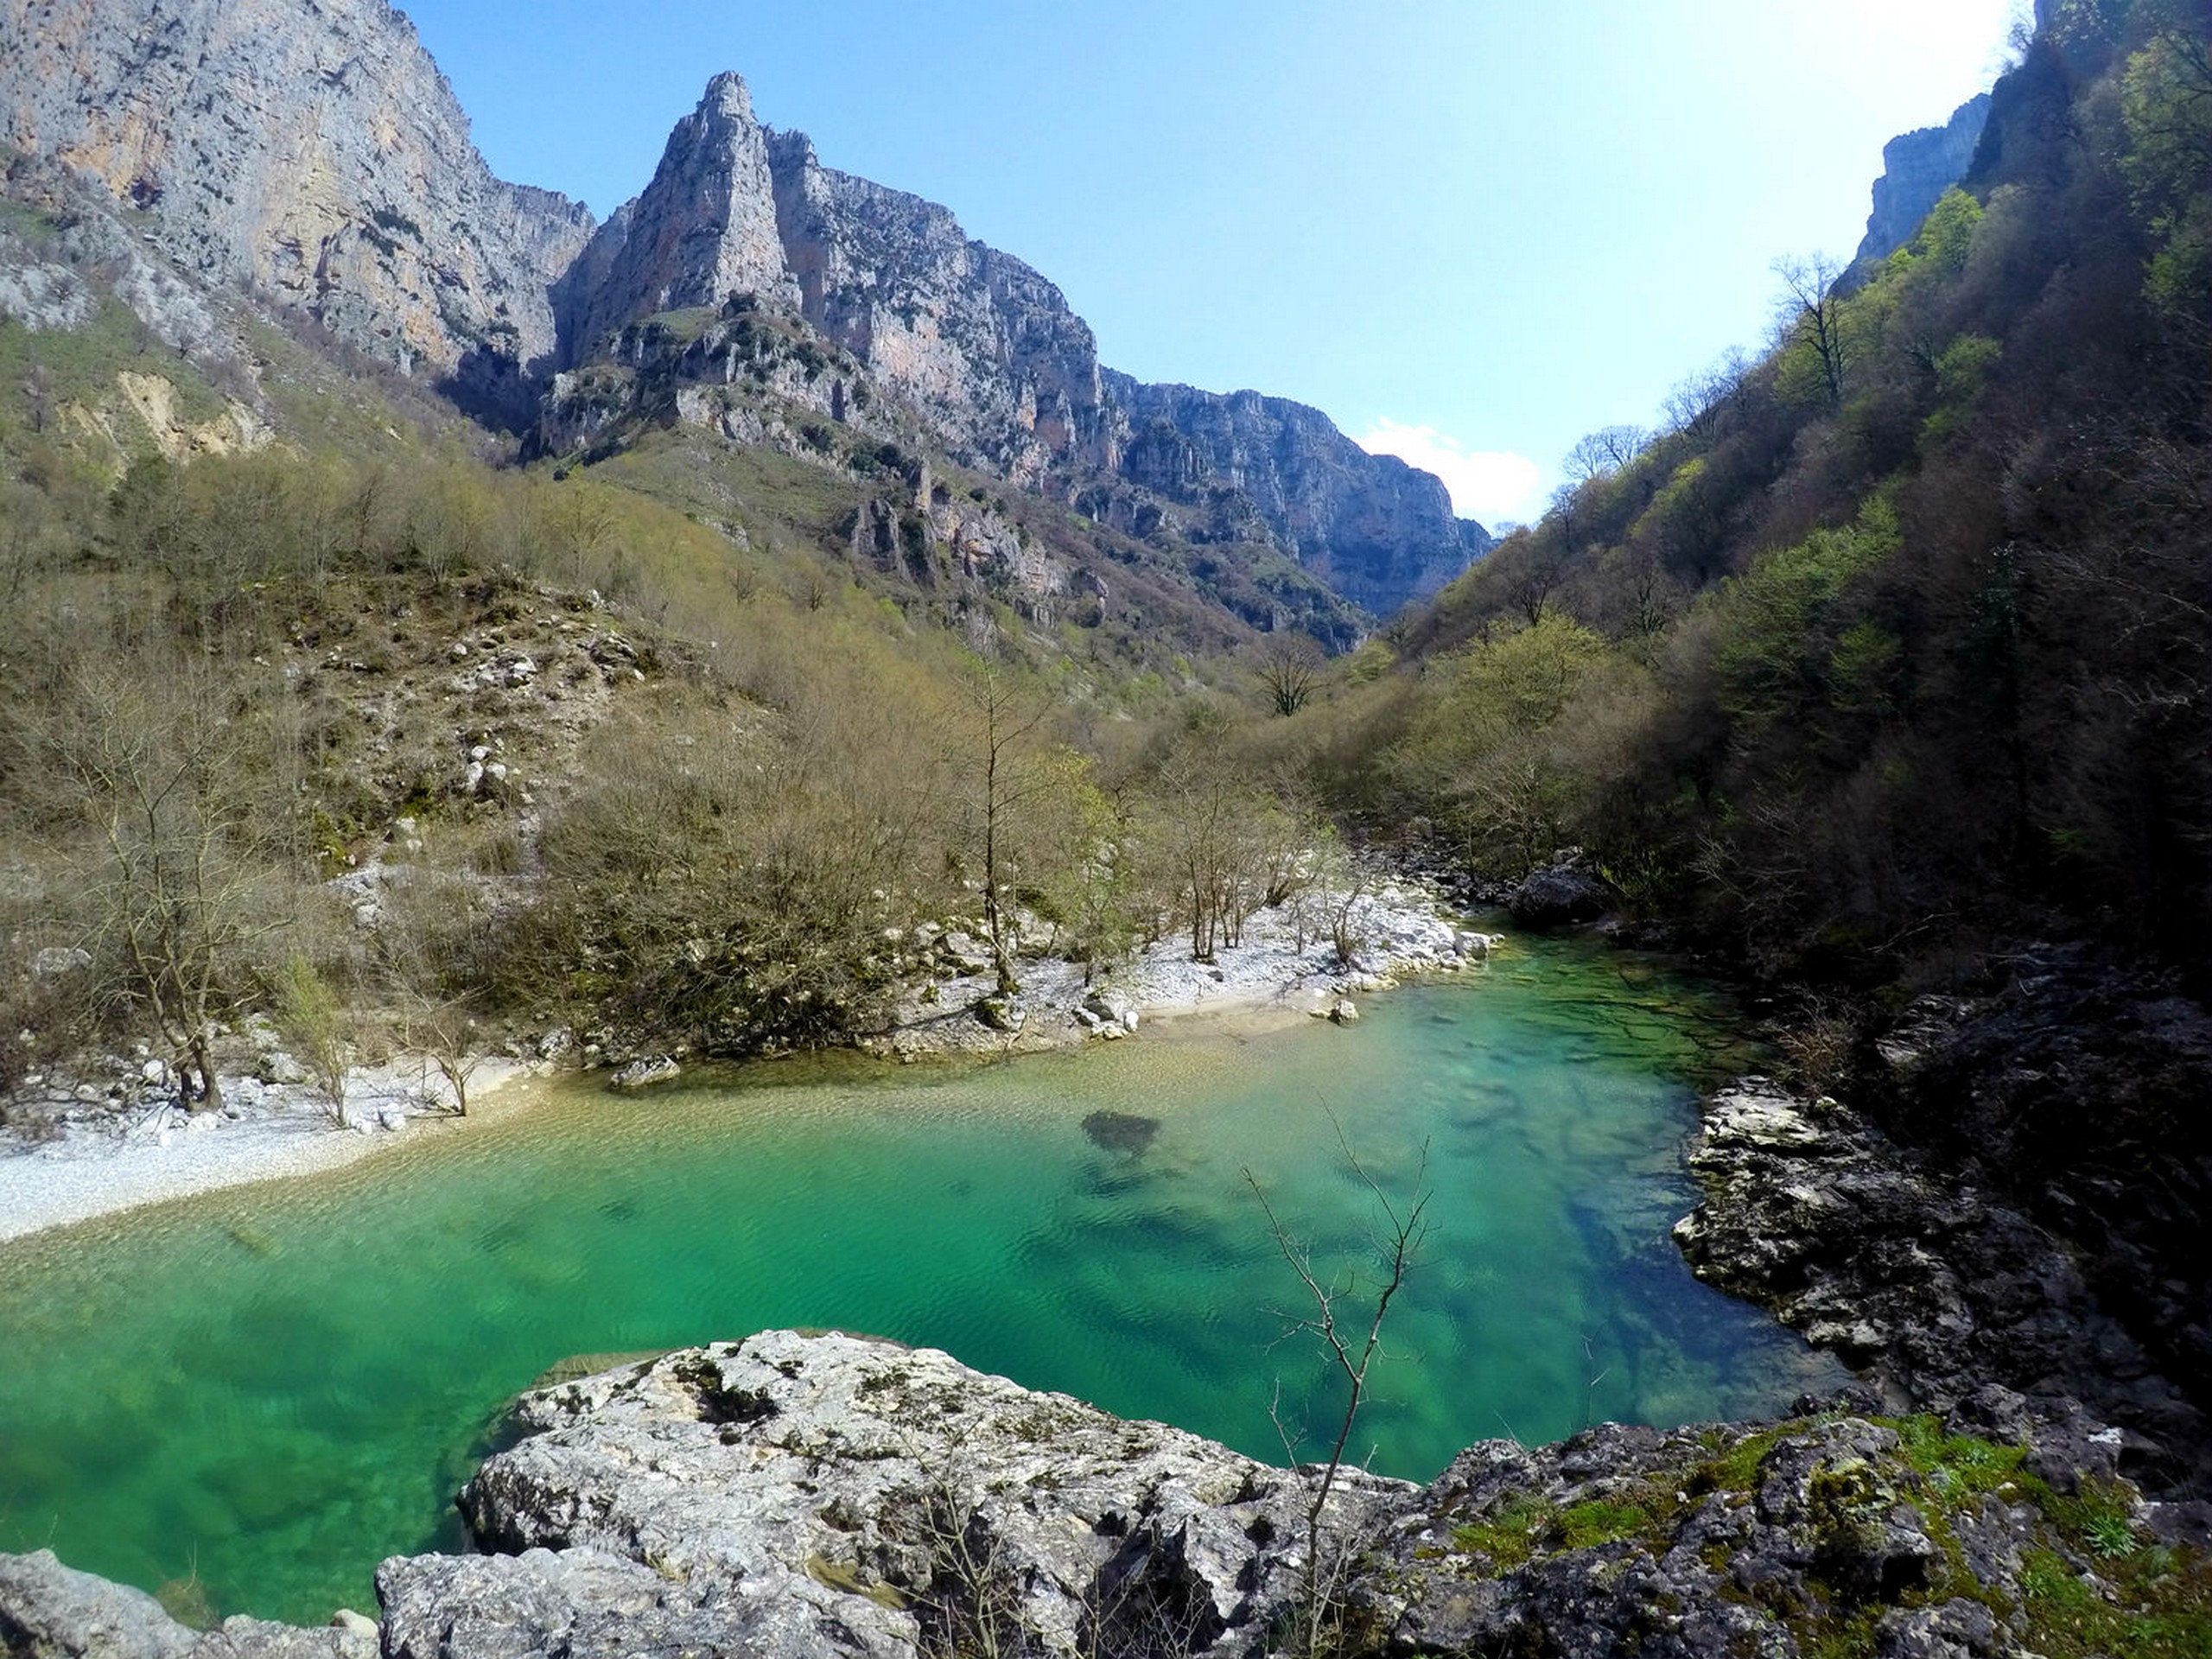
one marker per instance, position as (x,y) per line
(1917,168)
(315,153)
(984,344)
(705,228)
(986,352)
(311,150)
(1380,533)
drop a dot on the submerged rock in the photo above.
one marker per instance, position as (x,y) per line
(1128,1132)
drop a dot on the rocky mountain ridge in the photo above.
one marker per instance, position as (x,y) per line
(986,352)
(317,157)
(1917,168)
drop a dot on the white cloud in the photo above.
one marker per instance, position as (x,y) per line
(1485,484)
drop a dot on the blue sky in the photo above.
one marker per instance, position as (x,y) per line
(1469,230)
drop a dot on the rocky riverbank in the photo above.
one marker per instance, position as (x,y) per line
(797,1495)
(1284,961)
(110,1134)
(1925,1280)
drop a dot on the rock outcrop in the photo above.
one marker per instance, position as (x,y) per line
(314,153)
(791,1497)
(1917,168)
(1561,893)
(2076,1088)
(704,229)
(50,1612)
(978,342)
(805,1495)
(1380,533)
(1927,1282)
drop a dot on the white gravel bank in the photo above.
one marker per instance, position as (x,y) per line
(115,1144)
(102,1159)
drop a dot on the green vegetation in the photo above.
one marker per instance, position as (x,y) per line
(236,676)
(2088,1583)
(1890,646)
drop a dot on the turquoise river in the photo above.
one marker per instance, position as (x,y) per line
(252,1396)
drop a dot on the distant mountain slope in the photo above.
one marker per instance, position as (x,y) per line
(315,153)
(1377,531)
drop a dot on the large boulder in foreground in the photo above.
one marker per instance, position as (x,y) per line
(801,1496)
(816,1496)
(50,1612)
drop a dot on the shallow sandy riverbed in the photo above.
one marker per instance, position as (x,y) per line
(106,1162)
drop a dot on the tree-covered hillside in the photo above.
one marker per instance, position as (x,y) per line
(1894,642)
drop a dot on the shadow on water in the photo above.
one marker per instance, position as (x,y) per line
(278,1385)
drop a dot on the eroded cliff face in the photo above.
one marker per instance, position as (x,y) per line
(312,149)
(987,353)
(314,153)
(977,342)
(704,229)
(1917,168)
(1380,533)
(986,347)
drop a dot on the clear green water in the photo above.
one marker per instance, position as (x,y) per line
(273,1387)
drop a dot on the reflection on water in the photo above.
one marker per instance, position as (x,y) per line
(274,1387)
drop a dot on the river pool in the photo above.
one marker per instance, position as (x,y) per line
(253,1397)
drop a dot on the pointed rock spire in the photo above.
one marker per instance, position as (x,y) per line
(704,228)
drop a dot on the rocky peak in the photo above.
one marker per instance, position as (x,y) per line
(313,152)
(988,354)
(704,228)
(1918,167)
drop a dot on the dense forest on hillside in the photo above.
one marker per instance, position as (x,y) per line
(1891,644)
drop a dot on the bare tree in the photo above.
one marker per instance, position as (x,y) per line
(38,396)
(1604,452)
(1290,667)
(1347,1329)
(1221,846)
(427,957)
(445,1033)
(1700,404)
(177,892)
(1533,567)
(1810,309)
(1006,778)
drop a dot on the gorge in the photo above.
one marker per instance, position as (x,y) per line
(735,634)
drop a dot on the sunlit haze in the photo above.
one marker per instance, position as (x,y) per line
(1469,231)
